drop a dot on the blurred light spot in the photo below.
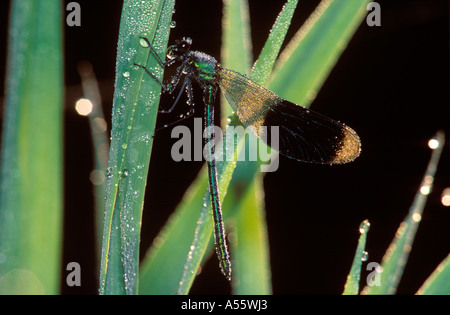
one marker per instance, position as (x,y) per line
(401,229)
(97,177)
(83,106)
(433,144)
(425,189)
(445,197)
(103,152)
(416,217)
(100,124)
(428,179)
(84,68)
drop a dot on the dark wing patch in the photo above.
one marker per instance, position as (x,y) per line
(304,135)
(308,136)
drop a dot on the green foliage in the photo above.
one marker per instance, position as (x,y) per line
(352,284)
(135,109)
(397,254)
(31,157)
(31,170)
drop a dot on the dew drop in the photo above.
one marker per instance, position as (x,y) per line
(364,226)
(143,42)
(124,146)
(126,74)
(173,24)
(365,256)
(108,172)
(125,173)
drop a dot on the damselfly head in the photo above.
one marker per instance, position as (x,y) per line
(180,49)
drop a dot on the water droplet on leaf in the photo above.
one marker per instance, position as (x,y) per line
(365,256)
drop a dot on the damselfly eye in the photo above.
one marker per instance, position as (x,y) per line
(172,52)
(186,43)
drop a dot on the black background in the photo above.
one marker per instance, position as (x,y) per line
(390,85)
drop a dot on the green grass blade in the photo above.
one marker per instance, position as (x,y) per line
(100,142)
(264,64)
(224,171)
(172,262)
(439,281)
(237,55)
(163,265)
(204,229)
(31,169)
(236,35)
(178,236)
(352,284)
(310,56)
(396,256)
(250,253)
(236,50)
(135,109)
(249,241)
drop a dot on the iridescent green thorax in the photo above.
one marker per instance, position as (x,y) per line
(204,67)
